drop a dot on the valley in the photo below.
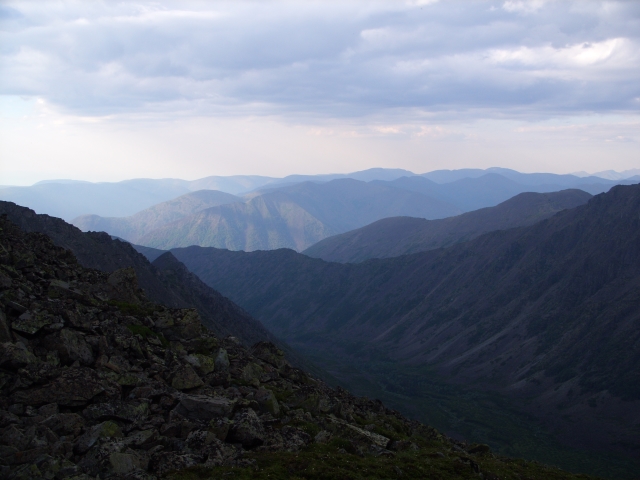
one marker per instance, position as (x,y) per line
(533,313)
(496,306)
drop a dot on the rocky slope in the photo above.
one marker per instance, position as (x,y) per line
(295,216)
(395,236)
(547,314)
(133,227)
(97,382)
(167,282)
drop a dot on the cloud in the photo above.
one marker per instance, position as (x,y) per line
(324,59)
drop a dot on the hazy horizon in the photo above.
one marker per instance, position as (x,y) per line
(113,91)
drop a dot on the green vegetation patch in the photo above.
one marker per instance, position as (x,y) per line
(135,309)
(146,332)
(320,462)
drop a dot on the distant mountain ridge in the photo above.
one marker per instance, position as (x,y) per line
(395,236)
(68,199)
(546,314)
(134,227)
(295,217)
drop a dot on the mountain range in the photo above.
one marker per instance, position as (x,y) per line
(546,315)
(395,236)
(68,199)
(294,215)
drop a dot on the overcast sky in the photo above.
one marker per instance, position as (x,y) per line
(113,90)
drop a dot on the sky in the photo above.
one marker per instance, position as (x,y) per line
(106,90)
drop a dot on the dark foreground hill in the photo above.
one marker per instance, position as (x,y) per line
(97,382)
(395,236)
(167,282)
(295,216)
(546,315)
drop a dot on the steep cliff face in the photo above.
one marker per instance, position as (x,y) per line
(98,382)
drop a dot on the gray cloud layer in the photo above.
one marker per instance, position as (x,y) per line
(336,59)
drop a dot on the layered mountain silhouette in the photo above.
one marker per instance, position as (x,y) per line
(295,217)
(395,236)
(133,227)
(490,189)
(545,314)
(69,199)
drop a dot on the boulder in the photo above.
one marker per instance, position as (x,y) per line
(31,322)
(269,353)
(5,329)
(364,435)
(222,361)
(15,355)
(247,429)
(220,427)
(130,412)
(106,429)
(142,438)
(267,401)
(203,407)
(71,346)
(251,374)
(124,463)
(65,423)
(185,378)
(74,387)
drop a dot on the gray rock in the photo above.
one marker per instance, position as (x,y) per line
(202,407)
(5,329)
(123,463)
(142,438)
(220,427)
(222,361)
(31,322)
(65,423)
(74,387)
(124,411)
(322,437)
(15,355)
(267,401)
(71,346)
(87,440)
(48,410)
(15,437)
(269,353)
(185,378)
(247,429)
